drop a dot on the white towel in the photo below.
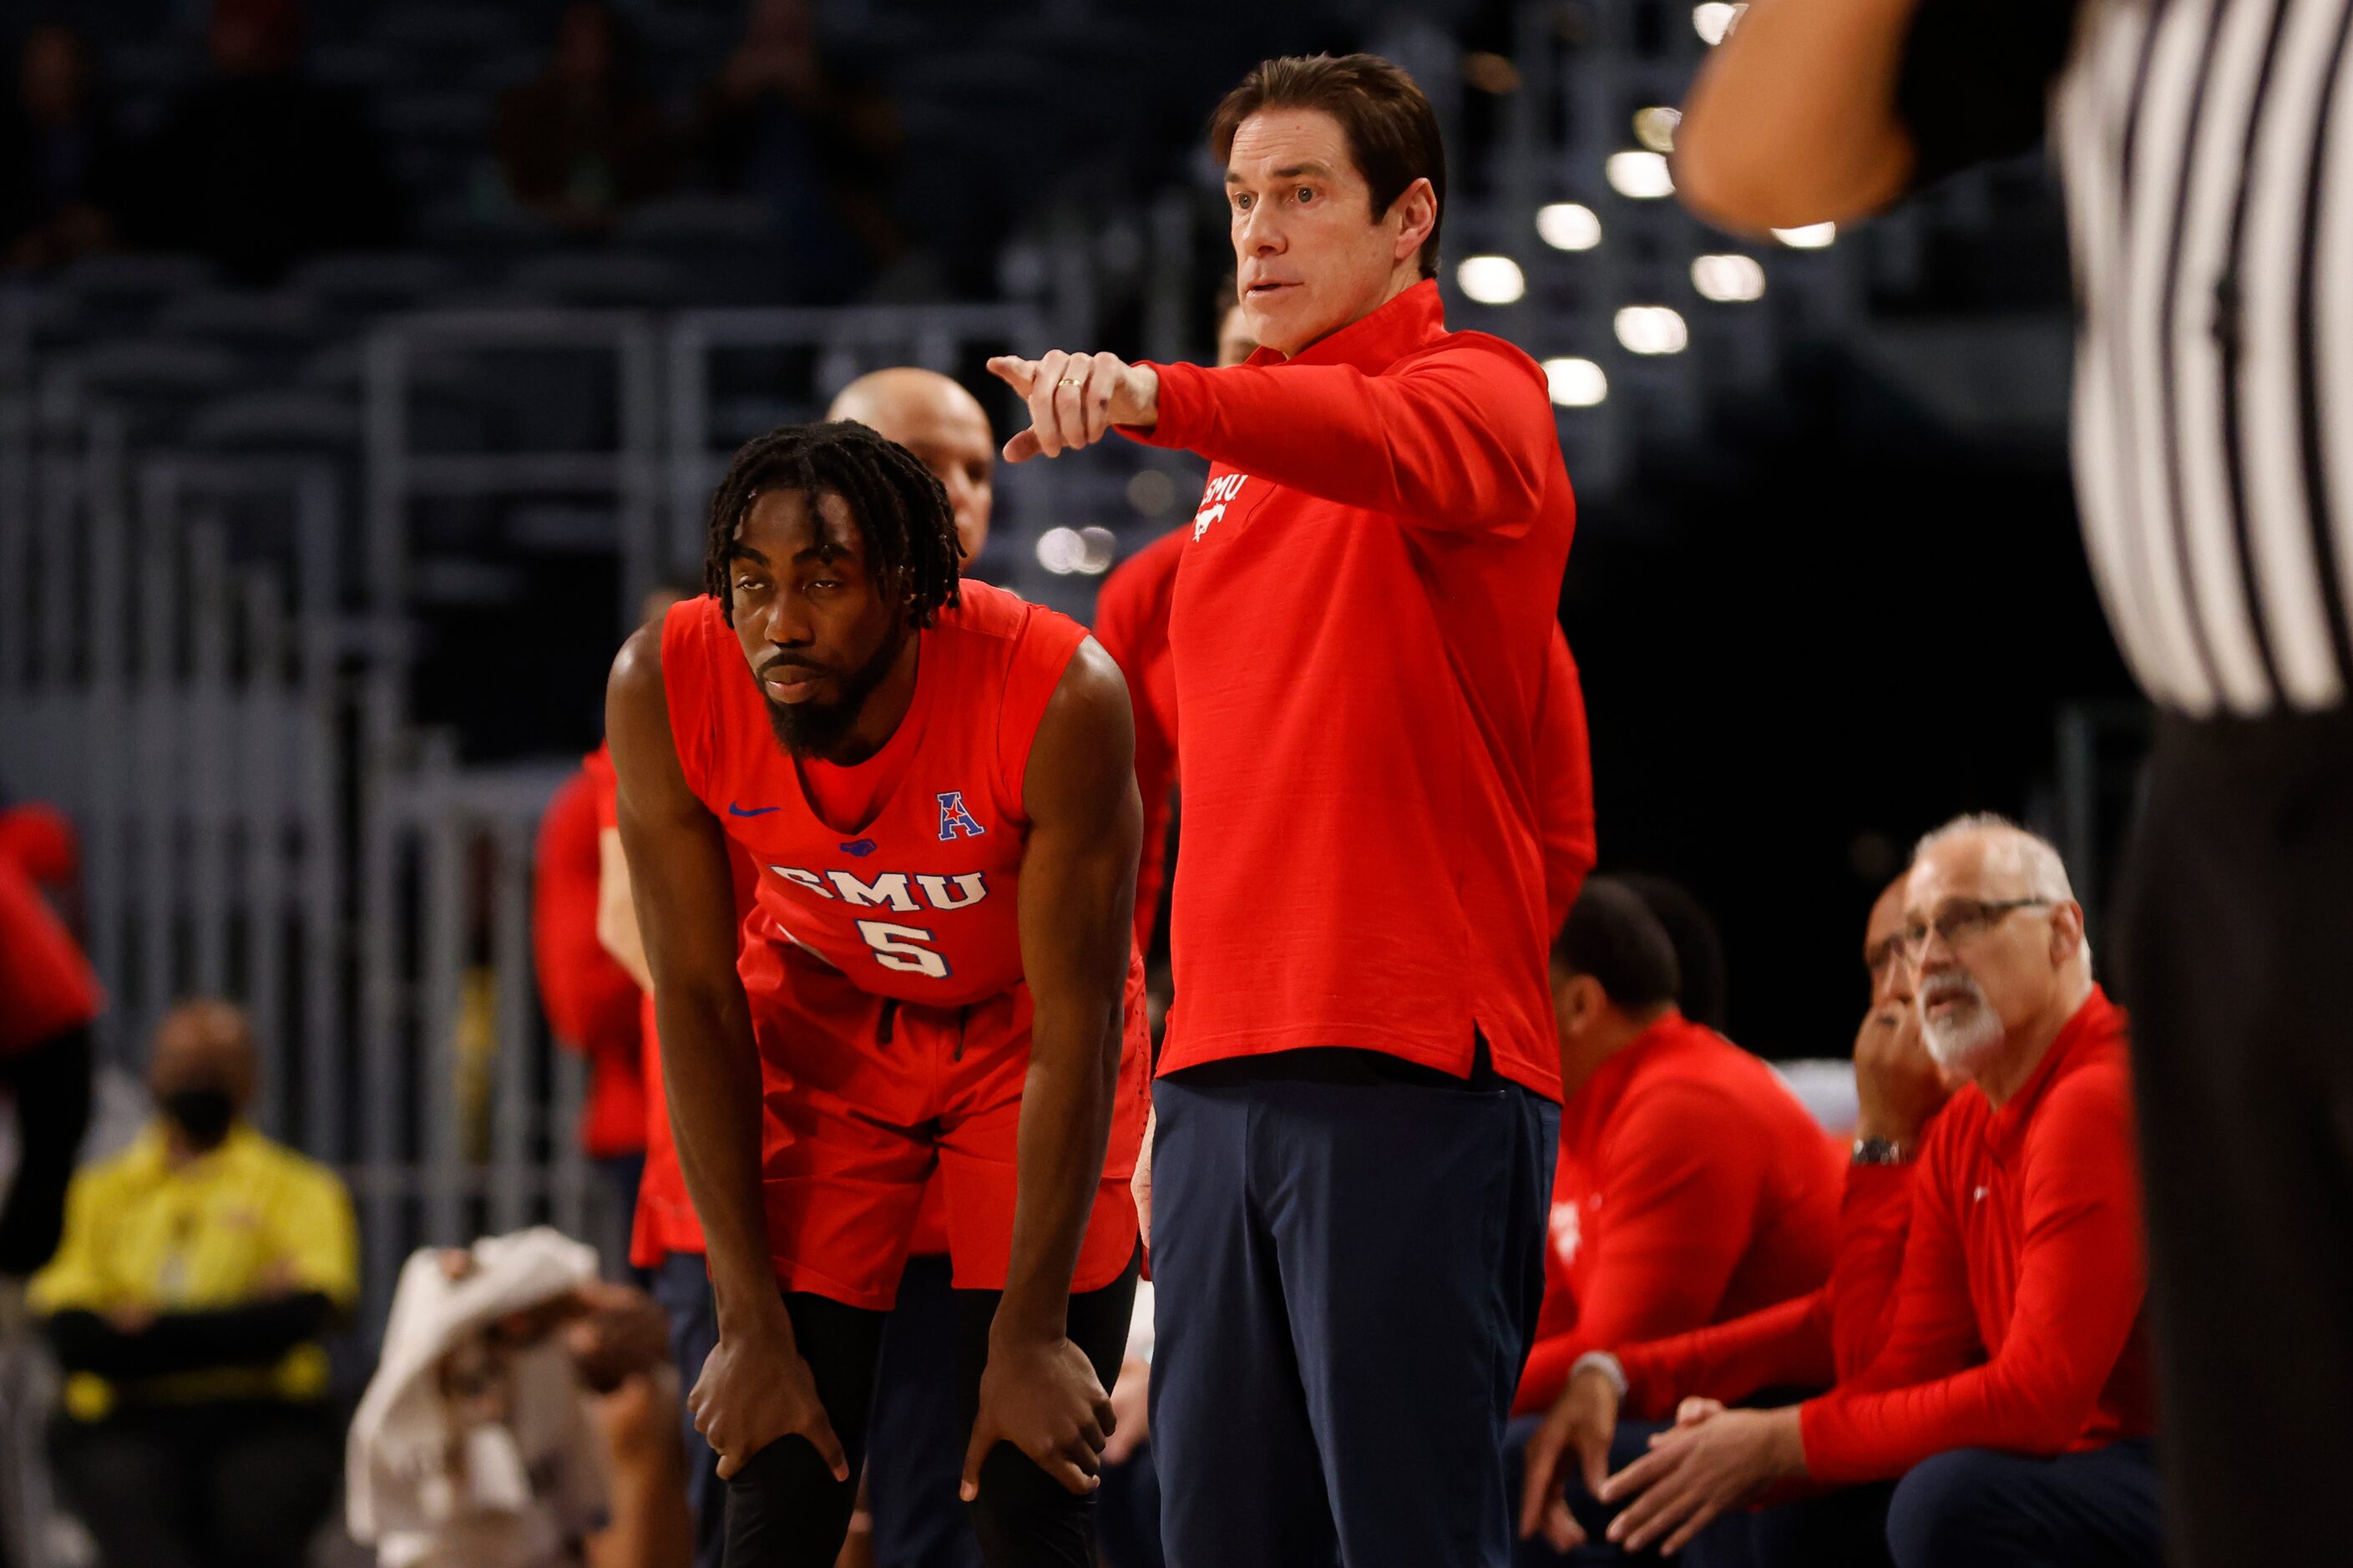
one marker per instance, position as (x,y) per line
(533,1484)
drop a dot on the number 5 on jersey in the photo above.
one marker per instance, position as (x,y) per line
(896,947)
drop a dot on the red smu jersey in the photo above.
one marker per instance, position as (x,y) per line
(918,901)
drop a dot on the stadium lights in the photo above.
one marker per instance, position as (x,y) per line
(1651,330)
(1491,279)
(1715,19)
(1641,175)
(1574,383)
(1655,127)
(1087,552)
(1813,237)
(1568,225)
(1728,278)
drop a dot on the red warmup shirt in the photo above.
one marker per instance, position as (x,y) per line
(1808,1342)
(919,901)
(1360,634)
(591,1001)
(2017,1320)
(47,986)
(1693,1188)
(1131,624)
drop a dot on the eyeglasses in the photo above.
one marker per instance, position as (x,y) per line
(1963,919)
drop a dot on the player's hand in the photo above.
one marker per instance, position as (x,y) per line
(1580,1425)
(1075,399)
(1043,1398)
(754,1390)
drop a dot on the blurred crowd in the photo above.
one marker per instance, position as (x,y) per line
(257,166)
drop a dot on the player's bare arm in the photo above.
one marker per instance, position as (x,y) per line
(1792,120)
(755,1388)
(1078,892)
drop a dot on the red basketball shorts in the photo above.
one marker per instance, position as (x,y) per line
(868,1098)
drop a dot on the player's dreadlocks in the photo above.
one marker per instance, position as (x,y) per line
(901,511)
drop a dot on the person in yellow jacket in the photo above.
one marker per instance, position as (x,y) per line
(199,1272)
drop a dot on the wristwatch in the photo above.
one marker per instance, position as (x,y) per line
(1880,1152)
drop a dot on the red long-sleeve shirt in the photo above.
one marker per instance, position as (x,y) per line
(1360,634)
(591,1002)
(2017,1315)
(1131,626)
(1693,1188)
(1813,1340)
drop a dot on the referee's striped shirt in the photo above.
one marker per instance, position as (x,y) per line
(2207,151)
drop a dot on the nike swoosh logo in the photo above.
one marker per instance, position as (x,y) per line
(735,810)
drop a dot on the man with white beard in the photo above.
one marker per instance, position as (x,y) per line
(2010,1405)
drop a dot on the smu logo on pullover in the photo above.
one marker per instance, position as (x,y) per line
(1219,494)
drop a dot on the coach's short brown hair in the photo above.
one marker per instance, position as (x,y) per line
(1392,131)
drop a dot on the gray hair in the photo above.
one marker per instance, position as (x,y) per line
(2032,856)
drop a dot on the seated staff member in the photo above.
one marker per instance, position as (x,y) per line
(1692,1186)
(2012,1397)
(1615,1400)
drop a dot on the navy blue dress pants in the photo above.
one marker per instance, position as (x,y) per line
(1348,1266)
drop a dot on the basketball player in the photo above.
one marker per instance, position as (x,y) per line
(936,782)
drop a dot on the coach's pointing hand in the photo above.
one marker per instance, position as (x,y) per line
(1075,399)
(1043,1398)
(755,1391)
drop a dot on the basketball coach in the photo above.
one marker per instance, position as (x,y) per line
(1357,1101)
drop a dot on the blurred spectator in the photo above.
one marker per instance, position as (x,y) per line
(523,1415)
(48,998)
(783,125)
(2011,1404)
(199,1272)
(585,142)
(258,167)
(61,165)
(1692,1186)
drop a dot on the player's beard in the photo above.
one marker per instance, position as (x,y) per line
(817,728)
(1959,1039)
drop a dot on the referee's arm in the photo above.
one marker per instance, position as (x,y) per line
(1825,110)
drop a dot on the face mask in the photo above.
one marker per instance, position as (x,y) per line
(202,1112)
